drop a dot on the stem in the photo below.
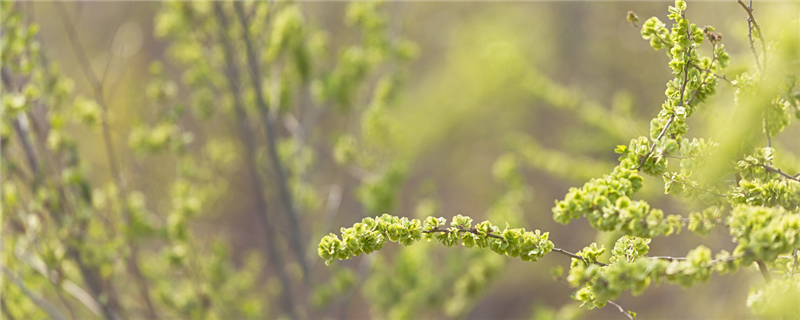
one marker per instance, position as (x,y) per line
(764,271)
(672,116)
(751,21)
(491,235)
(778,171)
(36,299)
(630,316)
(263,108)
(232,72)
(97,85)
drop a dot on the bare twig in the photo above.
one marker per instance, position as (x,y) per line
(232,72)
(626,313)
(751,21)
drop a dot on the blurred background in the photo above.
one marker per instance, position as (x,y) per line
(420,119)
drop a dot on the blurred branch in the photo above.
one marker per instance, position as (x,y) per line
(232,72)
(97,85)
(4,308)
(272,148)
(70,287)
(36,299)
(21,130)
(762,267)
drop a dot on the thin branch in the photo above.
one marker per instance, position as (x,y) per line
(97,85)
(752,20)
(64,284)
(672,116)
(778,171)
(626,313)
(272,145)
(794,263)
(668,258)
(22,132)
(491,235)
(723,77)
(275,258)
(35,298)
(660,135)
(696,188)
(567,253)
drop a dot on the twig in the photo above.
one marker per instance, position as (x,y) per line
(272,147)
(695,188)
(794,263)
(491,235)
(723,77)
(35,298)
(672,116)
(565,252)
(660,135)
(778,171)
(630,316)
(669,258)
(275,259)
(752,20)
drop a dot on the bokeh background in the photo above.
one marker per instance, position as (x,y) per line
(565,82)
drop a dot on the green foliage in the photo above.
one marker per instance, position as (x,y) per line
(762,200)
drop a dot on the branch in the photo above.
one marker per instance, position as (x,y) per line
(21,130)
(65,284)
(695,188)
(275,259)
(672,116)
(762,267)
(752,20)
(272,147)
(122,193)
(778,171)
(626,313)
(36,299)
(668,258)
(491,235)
